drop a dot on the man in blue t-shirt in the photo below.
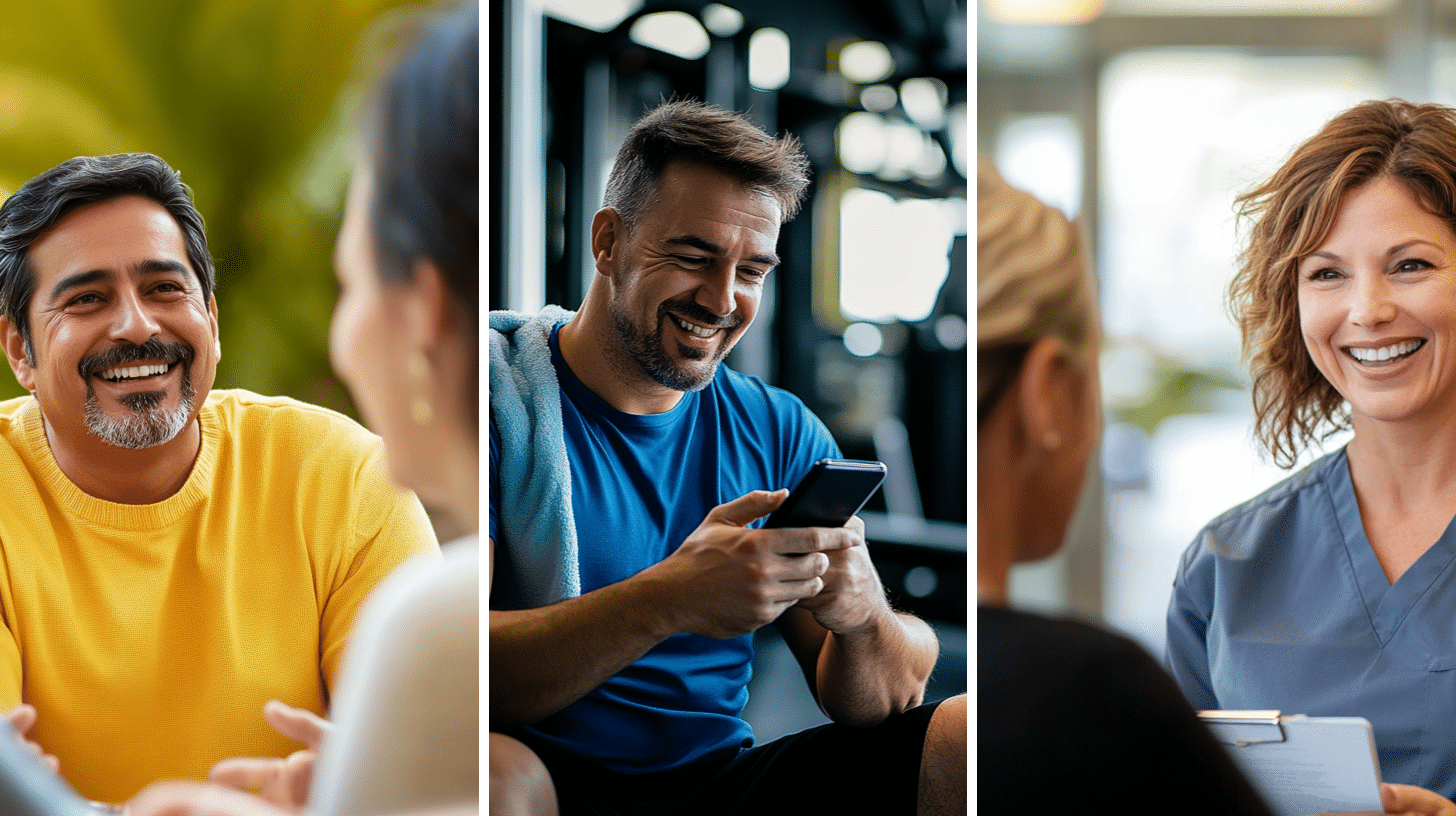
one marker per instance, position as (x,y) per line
(629,474)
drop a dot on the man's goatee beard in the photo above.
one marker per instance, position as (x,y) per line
(146,425)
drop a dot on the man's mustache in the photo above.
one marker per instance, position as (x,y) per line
(696,313)
(152,349)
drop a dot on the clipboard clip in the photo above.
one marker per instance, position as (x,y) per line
(1245,728)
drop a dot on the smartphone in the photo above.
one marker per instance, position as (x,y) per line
(832,492)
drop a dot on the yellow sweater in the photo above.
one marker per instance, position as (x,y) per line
(149,636)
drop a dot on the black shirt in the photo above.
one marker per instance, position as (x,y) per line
(1074,719)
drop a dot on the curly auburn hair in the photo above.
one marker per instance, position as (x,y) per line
(1291,215)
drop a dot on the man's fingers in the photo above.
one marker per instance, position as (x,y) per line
(296,723)
(197,799)
(22,717)
(803,567)
(298,773)
(246,773)
(1411,799)
(803,590)
(800,540)
(748,508)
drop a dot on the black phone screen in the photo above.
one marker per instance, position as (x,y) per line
(832,492)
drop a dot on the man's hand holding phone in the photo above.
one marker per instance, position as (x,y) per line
(852,596)
(728,580)
(830,496)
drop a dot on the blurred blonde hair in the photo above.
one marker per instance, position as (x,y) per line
(1032,281)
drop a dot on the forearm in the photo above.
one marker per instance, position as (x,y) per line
(542,660)
(865,676)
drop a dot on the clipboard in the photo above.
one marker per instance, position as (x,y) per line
(1303,765)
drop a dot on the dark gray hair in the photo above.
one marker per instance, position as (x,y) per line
(687,130)
(422,147)
(44,200)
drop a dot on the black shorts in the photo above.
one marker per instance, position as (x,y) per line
(827,769)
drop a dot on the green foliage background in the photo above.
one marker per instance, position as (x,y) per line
(254,102)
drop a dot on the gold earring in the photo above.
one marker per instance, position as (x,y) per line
(421,410)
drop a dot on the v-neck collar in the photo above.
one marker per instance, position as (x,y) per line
(1387,604)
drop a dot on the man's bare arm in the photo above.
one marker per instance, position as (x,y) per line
(862,660)
(724,581)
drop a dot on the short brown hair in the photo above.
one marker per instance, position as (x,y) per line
(1291,214)
(686,130)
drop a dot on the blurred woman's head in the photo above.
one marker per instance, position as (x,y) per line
(1290,216)
(1038,418)
(1031,282)
(404,337)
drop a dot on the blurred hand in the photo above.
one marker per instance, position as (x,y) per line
(282,782)
(1409,800)
(198,799)
(22,717)
(727,580)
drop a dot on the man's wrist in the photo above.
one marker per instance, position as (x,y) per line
(881,619)
(649,597)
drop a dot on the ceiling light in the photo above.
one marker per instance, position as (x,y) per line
(865,61)
(674,32)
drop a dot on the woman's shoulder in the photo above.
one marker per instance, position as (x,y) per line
(1274,514)
(1313,476)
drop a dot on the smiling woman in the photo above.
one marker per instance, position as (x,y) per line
(1330,594)
(1377,302)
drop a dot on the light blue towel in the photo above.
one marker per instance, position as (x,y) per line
(535,478)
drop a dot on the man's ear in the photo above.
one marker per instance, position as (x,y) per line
(608,240)
(15,353)
(1045,396)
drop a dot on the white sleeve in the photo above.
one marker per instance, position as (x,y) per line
(407,713)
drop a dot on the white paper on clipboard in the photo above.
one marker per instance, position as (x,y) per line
(1303,765)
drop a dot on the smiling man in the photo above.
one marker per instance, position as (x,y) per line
(171,557)
(629,468)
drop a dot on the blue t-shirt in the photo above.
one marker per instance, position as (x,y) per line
(1280,603)
(640,485)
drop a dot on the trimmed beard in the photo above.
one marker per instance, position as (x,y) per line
(647,350)
(147,425)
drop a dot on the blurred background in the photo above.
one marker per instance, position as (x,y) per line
(866,318)
(254,102)
(1144,118)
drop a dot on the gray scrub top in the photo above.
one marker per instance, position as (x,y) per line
(1280,603)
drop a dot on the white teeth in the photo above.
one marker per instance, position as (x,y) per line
(700,332)
(131,372)
(1385,353)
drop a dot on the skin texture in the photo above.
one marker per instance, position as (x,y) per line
(398,343)
(111,275)
(1034,447)
(1385,274)
(1032,453)
(520,785)
(700,254)
(380,333)
(282,782)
